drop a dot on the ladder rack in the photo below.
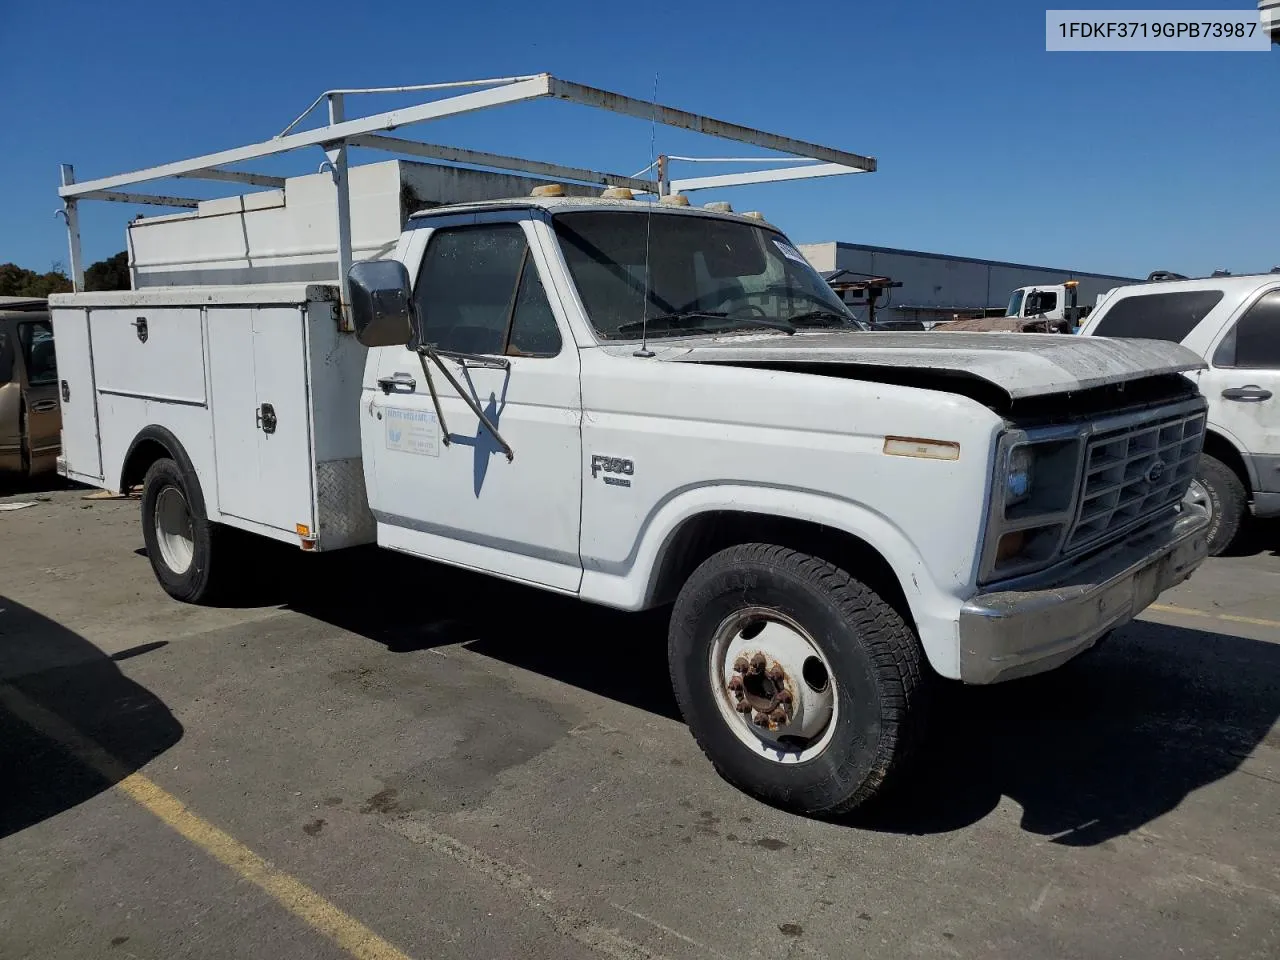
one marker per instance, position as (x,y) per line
(338,134)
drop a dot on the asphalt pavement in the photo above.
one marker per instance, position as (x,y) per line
(387,759)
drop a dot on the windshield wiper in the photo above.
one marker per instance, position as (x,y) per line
(677,321)
(822,318)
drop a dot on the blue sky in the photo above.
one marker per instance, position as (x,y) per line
(988,146)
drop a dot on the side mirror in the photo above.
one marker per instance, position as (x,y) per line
(381,303)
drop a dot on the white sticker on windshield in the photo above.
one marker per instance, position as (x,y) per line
(790,252)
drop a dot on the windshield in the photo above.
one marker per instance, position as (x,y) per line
(1015,304)
(704,273)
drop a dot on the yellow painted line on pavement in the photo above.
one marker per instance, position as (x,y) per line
(292,894)
(1229,617)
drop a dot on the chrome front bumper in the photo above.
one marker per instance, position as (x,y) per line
(1015,633)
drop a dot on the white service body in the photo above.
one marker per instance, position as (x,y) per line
(201,369)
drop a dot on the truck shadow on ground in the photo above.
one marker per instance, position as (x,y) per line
(1098,748)
(1091,751)
(55,686)
(1257,537)
(13,485)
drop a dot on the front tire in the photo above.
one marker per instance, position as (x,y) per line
(800,684)
(191,556)
(1218,488)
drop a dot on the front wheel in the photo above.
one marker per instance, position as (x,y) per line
(191,556)
(1217,489)
(800,684)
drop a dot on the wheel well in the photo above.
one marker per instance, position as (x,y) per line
(708,533)
(154,443)
(144,452)
(1220,448)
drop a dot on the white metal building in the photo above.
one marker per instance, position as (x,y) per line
(938,286)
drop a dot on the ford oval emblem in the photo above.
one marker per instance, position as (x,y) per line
(1155,472)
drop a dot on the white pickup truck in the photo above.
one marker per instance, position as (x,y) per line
(644,403)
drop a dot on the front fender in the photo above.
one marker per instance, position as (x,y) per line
(631,585)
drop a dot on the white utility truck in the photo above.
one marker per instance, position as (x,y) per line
(635,403)
(1056,303)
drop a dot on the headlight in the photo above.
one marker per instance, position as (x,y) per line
(1017,482)
(1033,496)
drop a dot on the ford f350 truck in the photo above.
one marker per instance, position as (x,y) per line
(640,403)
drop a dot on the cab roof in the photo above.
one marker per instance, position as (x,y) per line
(24,305)
(555,205)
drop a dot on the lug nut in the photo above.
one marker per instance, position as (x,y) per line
(776,674)
(784,696)
(757,663)
(735,683)
(743,707)
(740,665)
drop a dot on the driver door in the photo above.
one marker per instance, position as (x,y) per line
(446,490)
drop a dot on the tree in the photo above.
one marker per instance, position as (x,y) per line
(16,281)
(109,274)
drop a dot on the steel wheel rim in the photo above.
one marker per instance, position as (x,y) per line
(773,685)
(174,535)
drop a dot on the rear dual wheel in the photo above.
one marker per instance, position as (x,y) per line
(800,684)
(194,559)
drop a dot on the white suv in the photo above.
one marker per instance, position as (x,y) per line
(1234,323)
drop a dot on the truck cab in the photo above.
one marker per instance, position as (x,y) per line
(1056,304)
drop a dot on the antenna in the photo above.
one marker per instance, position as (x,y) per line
(644,350)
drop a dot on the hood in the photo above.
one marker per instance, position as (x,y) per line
(1019,364)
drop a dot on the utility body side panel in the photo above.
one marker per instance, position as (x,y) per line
(156,353)
(256,383)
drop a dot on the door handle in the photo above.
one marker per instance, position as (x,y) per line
(265,416)
(397,381)
(44,406)
(1248,394)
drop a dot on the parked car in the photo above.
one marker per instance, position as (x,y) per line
(30,421)
(1234,324)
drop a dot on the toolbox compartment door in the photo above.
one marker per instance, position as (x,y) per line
(261,415)
(77,394)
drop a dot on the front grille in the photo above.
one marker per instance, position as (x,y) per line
(1133,472)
